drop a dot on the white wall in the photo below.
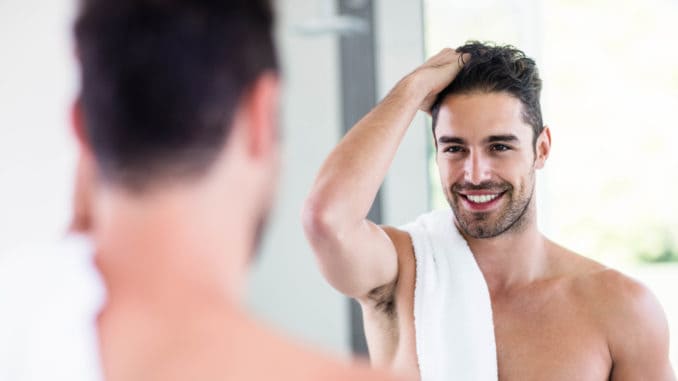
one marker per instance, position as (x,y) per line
(37,83)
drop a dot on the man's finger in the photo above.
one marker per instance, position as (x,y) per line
(463,59)
(441,57)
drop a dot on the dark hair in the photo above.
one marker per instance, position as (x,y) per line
(161,80)
(493,68)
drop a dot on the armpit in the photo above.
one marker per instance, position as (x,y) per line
(383,298)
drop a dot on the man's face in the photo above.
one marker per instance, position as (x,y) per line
(486,161)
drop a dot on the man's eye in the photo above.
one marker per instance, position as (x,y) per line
(454,149)
(500,147)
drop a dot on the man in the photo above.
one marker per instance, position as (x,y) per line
(177,124)
(556,315)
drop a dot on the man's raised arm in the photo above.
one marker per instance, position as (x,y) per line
(356,255)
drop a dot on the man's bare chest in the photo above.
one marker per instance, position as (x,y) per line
(548,338)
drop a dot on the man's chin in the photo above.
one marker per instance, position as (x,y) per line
(478,231)
(477,225)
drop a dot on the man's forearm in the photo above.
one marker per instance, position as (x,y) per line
(349,179)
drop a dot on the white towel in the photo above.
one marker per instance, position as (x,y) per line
(50,296)
(452,308)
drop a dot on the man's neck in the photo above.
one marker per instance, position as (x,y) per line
(165,249)
(512,259)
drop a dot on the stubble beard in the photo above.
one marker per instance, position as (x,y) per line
(480,225)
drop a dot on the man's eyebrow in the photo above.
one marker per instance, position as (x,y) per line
(450,139)
(501,138)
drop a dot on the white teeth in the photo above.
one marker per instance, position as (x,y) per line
(479,199)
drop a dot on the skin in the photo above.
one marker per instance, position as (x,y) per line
(83,181)
(557,315)
(174,261)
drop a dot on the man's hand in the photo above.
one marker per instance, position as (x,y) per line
(436,73)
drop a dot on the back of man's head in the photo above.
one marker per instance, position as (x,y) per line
(493,68)
(162,79)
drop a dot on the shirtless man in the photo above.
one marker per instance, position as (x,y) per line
(177,125)
(557,315)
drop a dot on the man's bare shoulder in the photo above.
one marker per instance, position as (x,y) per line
(625,305)
(632,321)
(607,288)
(604,287)
(621,305)
(400,238)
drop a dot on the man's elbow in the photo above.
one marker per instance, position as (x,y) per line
(322,233)
(318,220)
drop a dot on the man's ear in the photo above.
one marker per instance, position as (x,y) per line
(81,220)
(261,108)
(78,126)
(543,148)
(82,198)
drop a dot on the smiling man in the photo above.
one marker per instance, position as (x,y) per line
(553,314)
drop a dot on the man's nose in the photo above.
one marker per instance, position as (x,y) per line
(476,168)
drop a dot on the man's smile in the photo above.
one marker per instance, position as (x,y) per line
(480,201)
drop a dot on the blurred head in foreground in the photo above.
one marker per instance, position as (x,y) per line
(180,96)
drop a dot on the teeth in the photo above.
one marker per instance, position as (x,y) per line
(479,199)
